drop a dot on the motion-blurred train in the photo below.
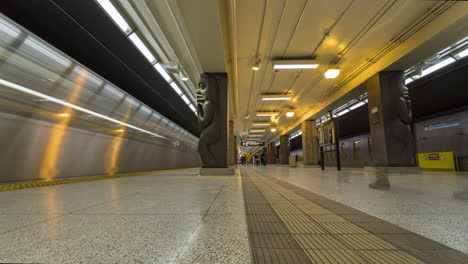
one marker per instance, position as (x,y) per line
(58,119)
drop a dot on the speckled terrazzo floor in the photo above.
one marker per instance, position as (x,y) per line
(179,217)
(175,217)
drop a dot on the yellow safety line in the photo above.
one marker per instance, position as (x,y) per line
(18,186)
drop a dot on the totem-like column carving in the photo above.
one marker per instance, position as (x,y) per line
(390,117)
(212,117)
(402,129)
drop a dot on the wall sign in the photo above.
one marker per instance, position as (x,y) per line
(438,161)
(435,126)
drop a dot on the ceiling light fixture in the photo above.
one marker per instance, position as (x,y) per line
(255,135)
(295,64)
(289,114)
(183,77)
(332,73)
(257,130)
(276,97)
(115,15)
(64,115)
(273,130)
(260,124)
(256,66)
(142,47)
(267,113)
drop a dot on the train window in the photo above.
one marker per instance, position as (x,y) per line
(112,93)
(44,55)
(8,31)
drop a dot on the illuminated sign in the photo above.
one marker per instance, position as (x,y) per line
(438,161)
(451,123)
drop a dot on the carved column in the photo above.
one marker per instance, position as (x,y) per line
(309,143)
(390,117)
(284,149)
(212,116)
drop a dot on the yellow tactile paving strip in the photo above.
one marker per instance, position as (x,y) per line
(326,231)
(17,186)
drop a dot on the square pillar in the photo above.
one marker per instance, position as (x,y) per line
(284,149)
(271,153)
(309,143)
(390,117)
(231,143)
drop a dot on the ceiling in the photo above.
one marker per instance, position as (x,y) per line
(362,36)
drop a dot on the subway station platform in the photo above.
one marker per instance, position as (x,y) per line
(261,215)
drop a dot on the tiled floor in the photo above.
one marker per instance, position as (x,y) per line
(432,205)
(179,217)
(176,217)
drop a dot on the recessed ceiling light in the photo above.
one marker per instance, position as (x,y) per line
(64,115)
(332,73)
(273,130)
(267,113)
(294,64)
(289,114)
(276,97)
(255,135)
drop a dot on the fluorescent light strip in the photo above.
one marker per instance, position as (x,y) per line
(176,88)
(408,80)
(142,47)
(463,53)
(261,124)
(81,109)
(438,66)
(115,15)
(356,105)
(275,98)
(193,108)
(163,72)
(294,66)
(342,112)
(186,100)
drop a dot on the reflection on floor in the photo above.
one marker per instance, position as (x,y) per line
(179,217)
(176,217)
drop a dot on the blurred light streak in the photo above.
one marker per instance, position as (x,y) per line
(48,169)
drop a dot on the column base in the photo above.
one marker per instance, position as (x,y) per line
(217,171)
(310,165)
(400,170)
